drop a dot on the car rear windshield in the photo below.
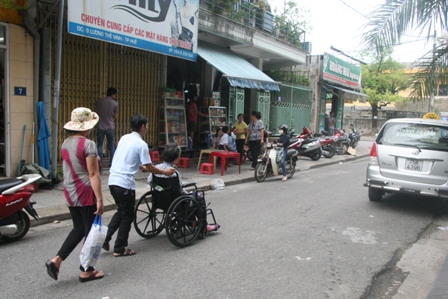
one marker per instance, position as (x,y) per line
(422,136)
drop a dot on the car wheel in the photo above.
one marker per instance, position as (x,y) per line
(375,194)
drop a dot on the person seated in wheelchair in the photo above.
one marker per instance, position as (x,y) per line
(170,156)
(171,187)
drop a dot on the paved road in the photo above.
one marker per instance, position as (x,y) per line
(314,236)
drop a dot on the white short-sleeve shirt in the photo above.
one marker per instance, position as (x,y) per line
(131,151)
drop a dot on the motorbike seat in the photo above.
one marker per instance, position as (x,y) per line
(292,140)
(309,140)
(9,183)
(290,153)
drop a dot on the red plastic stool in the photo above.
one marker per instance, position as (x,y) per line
(183,162)
(155,156)
(207,168)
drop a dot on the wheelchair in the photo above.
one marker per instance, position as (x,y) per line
(184,216)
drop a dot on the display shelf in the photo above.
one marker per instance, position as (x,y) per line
(173,126)
(217,117)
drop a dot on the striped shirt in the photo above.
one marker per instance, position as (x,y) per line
(77,189)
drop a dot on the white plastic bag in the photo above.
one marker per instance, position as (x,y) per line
(217,184)
(91,249)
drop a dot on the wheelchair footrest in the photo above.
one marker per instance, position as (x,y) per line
(213,227)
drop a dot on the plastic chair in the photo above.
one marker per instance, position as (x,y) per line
(183,162)
(207,168)
(155,156)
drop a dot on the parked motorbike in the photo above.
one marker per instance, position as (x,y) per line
(354,137)
(270,162)
(326,144)
(308,146)
(14,199)
(341,141)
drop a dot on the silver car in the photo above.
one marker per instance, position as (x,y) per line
(409,156)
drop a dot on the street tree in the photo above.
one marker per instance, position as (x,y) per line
(389,22)
(292,21)
(382,80)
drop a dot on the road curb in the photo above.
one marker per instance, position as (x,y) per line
(61,212)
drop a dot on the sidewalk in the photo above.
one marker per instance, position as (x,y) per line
(51,203)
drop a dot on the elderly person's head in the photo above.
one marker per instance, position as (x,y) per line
(171,153)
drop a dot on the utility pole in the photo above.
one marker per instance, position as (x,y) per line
(432,84)
(57,87)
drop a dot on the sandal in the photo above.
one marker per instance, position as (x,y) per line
(126,252)
(52,270)
(92,276)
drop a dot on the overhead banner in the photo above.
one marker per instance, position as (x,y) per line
(167,27)
(341,72)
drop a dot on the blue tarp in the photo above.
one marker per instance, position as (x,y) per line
(43,138)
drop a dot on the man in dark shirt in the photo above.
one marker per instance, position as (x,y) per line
(107,109)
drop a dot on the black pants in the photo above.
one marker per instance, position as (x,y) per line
(122,219)
(240,148)
(82,218)
(254,147)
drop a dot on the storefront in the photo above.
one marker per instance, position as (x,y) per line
(17,96)
(339,81)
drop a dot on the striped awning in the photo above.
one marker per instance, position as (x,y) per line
(237,70)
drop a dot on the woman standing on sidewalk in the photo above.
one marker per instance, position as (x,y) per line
(82,188)
(255,136)
(240,132)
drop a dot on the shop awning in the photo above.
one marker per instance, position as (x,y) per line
(238,71)
(361,95)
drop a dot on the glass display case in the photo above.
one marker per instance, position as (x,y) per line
(217,117)
(173,127)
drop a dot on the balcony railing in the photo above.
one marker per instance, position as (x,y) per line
(255,15)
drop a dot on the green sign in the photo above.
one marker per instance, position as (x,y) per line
(341,72)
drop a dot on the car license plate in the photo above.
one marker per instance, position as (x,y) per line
(414,165)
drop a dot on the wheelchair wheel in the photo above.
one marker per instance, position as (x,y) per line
(148,220)
(184,221)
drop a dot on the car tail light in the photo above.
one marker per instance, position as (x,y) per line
(373,155)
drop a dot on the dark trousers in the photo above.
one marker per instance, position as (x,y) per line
(82,218)
(122,219)
(110,135)
(240,148)
(254,147)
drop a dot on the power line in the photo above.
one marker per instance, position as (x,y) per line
(355,10)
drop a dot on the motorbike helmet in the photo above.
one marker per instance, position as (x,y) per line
(284,128)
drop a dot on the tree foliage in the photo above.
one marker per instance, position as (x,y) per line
(292,22)
(390,22)
(382,80)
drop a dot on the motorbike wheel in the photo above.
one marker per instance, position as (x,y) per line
(342,150)
(290,168)
(328,151)
(316,155)
(261,171)
(249,155)
(22,228)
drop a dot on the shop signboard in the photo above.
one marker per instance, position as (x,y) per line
(167,27)
(341,72)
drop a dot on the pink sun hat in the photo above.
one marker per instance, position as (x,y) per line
(83,119)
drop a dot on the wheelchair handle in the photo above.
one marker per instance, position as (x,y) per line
(189,185)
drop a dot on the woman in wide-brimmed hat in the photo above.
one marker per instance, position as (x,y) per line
(82,188)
